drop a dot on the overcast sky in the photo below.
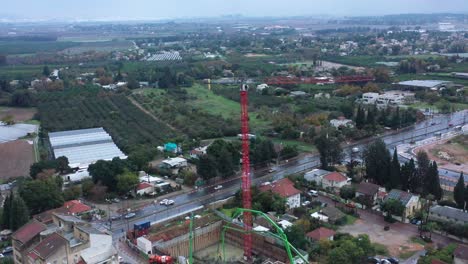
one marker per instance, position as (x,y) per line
(159,9)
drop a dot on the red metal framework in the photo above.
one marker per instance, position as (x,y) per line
(246,195)
(282,80)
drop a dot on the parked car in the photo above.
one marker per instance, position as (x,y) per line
(415,221)
(116,217)
(384,261)
(393,260)
(1,255)
(130,215)
(373,260)
(116,200)
(305,203)
(313,193)
(7,250)
(271,170)
(163,202)
(169,202)
(218,187)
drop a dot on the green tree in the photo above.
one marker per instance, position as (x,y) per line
(206,167)
(348,192)
(409,176)
(46,71)
(41,195)
(126,182)
(106,172)
(329,149)
(360,117)
(422,170)
(377,160)
(432,181)
(62,164)
(395,171)
(458,192)
(7,214)
(296,236)
(393,207)
(19,213)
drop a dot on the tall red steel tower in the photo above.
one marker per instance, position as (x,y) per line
(246,195)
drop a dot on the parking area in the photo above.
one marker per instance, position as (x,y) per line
(396,241)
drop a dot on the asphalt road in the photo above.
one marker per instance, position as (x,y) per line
(188,202)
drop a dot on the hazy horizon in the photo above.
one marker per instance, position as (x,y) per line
(155,10)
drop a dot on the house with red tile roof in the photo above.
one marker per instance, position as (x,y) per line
(52,249)
(335,180)
(321,233)
(76,207)
(24,237)
(285,188)
(144,188)
(73,207)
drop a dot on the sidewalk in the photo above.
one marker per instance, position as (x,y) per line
(128,254)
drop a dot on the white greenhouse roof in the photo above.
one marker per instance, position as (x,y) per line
(85,146)
(423,83)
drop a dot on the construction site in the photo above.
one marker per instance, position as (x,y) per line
(213,237)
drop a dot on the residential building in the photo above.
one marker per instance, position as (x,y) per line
(197,152)
(321,233)
(285,188)
(144,188)
(25,237)
(172,163)
(73,207)
(320,217)
(341,122)
(334,214)
(448,214)
(368,193)
(315,175)
(66,239)
(369,98)
(460,255)
(335,180)
(410,202)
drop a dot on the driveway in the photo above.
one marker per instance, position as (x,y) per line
(397,239)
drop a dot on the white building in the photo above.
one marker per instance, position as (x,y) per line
(173,163)
(285,188)
(370,98)
(335,180)
(341,122)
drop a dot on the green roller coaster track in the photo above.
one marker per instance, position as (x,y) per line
(280,234)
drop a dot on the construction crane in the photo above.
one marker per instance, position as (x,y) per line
(246,195)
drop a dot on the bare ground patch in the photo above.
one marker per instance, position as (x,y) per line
(16,158)
(19,114)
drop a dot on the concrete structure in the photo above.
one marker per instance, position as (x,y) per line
(424,84)
(334,214)
(335,180)
(369,98)
(320,217)
(448,214)
(410,202)
(285,188)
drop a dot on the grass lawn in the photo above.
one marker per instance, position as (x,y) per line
(380,249)
(350,219)
(418,240)
(301,146)
(218,105)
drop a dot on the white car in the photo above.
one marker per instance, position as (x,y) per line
(218,187)
(170,202)
(163,202)
(313,193)
(129,215)
(305,203)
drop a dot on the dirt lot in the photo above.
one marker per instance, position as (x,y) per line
(19,114)
(397,242)
(16,158)
(451,154)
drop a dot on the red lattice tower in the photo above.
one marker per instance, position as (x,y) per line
(246,195)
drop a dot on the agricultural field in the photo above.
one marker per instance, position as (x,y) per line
(102,46)
(32,47)
(18,114)
(196,111)
(17,157)
(77,109)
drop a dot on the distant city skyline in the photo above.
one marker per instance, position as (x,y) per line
(156,9)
